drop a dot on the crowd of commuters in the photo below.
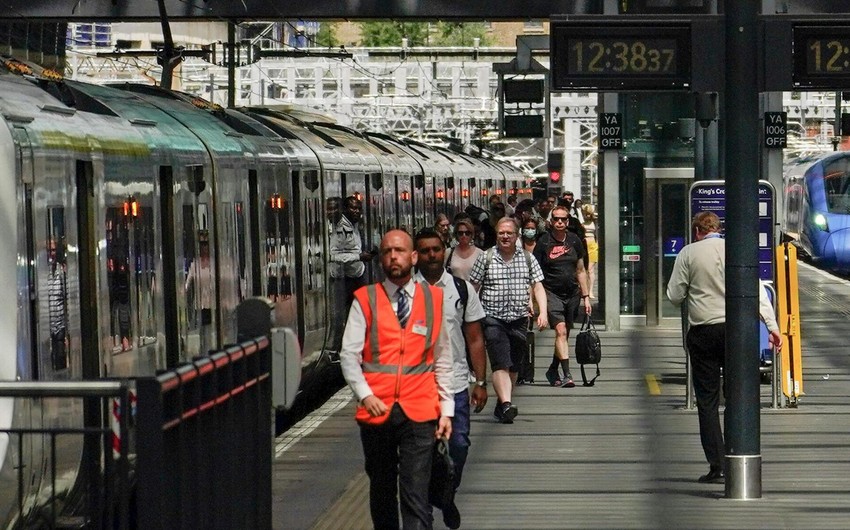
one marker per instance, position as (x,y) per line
(415,346)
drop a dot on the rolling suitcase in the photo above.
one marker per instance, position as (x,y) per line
(526,369)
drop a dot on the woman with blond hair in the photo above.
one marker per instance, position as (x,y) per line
(460,258)
(589,217)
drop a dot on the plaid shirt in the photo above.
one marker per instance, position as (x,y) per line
(504,286)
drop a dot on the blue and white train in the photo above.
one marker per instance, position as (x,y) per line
(817,209)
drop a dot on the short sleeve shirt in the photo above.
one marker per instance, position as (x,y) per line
(559,261)
(504,285)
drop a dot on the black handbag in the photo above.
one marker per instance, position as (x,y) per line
(588,349)
(441,490)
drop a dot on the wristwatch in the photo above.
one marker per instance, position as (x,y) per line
(481,383)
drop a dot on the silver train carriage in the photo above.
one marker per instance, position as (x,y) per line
(141,218)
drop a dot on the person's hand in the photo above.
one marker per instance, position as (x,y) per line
(542,321)
(587,306)
(444,428)
(775,339)
(478,399)
(374,406)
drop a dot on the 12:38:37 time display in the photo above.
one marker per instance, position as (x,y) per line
(622,56)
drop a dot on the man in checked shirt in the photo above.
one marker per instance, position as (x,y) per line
(502,276)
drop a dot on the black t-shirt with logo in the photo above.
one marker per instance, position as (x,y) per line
(559,259)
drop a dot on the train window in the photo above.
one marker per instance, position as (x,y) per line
(241,262)
(57,287)
(145,272)
(278,258)
(837,186)
(118,278)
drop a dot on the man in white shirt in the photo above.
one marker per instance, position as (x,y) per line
(462,316)
(396,357)
(699,276)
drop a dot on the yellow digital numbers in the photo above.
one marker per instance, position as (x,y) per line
(622,57)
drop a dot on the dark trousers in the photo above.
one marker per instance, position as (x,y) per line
(707,349)
(398,463)
(459,441)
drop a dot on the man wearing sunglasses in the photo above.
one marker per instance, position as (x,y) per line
(561,255)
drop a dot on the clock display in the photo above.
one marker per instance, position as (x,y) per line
(620,57)
(821,56)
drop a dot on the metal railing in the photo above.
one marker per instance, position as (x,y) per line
(204,442)
(103,479)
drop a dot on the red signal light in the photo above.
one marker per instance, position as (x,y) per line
(555,176)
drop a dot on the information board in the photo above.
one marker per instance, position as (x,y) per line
(710,196)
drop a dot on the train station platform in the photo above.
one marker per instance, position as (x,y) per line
(622,454)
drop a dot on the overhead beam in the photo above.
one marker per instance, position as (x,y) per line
(135,10)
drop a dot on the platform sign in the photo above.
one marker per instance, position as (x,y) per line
(610,130)
(710,196)
(775,130)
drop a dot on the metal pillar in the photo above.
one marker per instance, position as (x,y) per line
(740,106)
(609,211)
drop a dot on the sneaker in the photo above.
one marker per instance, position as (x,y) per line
(568,381)
(552,377)
(498,413)
(507,412)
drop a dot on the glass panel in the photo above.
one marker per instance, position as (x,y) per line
(145,274)
(57,287)
(242,264)
(632,297)
(118,279)
(673,230)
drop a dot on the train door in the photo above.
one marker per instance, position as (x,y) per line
(198,320)
(405,207)
(379,219)
(666,231)
(278,235)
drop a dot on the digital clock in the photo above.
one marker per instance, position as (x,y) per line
(821,56)
(620,57)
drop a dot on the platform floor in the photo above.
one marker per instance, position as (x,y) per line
(622,454)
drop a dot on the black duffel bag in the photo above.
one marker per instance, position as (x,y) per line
(441,490)
(588,349)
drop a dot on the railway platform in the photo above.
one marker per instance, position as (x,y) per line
(624,453)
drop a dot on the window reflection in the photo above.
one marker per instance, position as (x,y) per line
(118,278)
(278,255)
(57,288)
(145,274)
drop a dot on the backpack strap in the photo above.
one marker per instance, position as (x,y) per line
(463,292)
(448,266)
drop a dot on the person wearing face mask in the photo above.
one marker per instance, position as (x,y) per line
(529,234)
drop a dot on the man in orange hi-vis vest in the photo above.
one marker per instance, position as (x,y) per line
(397,360)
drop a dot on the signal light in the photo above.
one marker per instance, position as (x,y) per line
(277,202)
(131,207)
(555,176)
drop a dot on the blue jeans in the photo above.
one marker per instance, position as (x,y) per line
(459,442)
(398,462)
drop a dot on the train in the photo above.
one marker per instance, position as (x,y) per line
(142,217)
(817,209)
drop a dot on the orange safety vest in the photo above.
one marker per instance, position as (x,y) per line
(399,363)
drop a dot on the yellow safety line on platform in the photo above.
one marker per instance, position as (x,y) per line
(652,384)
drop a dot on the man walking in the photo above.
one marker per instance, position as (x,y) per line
(699,276)
(397,360)
(561,256)
(503,276)
(462,315)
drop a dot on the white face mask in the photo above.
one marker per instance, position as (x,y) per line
(529,233)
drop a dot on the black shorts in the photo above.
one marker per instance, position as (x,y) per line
(561,309)
(506,342)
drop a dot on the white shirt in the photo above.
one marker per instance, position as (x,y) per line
(354,339)
(699,276)
(453,319)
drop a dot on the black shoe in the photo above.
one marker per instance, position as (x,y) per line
(451,516)
(507,412)
(497,413)
(714,476)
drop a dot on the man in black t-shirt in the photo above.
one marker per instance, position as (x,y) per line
(562,256)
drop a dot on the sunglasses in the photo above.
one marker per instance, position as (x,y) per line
(562,219)
(463,232)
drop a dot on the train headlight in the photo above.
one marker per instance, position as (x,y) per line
(820,221)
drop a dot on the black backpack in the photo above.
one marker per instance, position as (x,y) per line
(588,349)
